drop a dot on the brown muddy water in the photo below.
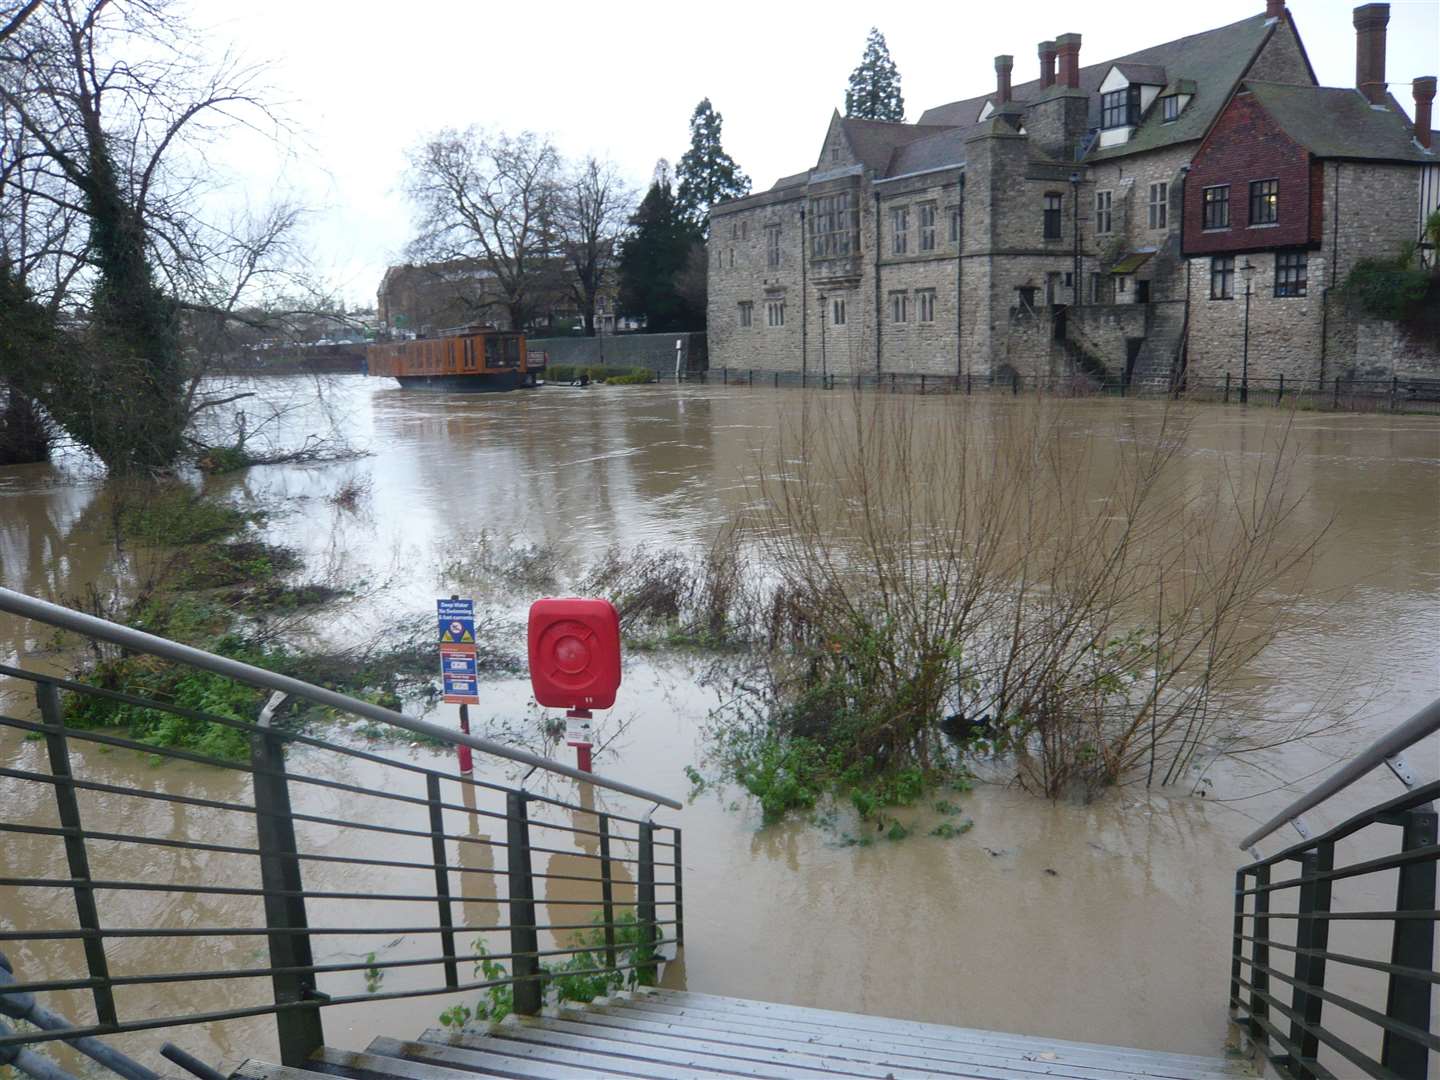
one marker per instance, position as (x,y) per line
(1106,922)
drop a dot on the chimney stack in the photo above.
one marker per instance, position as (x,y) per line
(1068,46)
(1003,64)
(1047,64)
(1274,8)
(1370,23)
(1424,88)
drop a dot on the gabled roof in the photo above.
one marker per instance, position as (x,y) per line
(1147,74)
(933,152)
(1337,122)
(793,180)
(875,142)
(1213,60)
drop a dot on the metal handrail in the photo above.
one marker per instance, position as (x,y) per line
(1423,723)
(139,641)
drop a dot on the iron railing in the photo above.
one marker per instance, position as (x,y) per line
(307,845)
(1284,919)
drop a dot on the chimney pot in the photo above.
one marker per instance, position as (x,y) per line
(1274,8)
(1047,64)
(1370,23)
(1068,47)
(1424,90)
(1003,65)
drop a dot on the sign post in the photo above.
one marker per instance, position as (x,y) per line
(459,670)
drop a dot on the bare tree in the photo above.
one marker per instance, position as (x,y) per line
(594,210)
(107,111)
(491,199)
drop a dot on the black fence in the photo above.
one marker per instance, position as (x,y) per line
(1344,394)
(1290,908)
(312,841)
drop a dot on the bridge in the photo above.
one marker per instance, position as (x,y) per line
(568,965)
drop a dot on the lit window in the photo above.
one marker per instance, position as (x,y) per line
(1264,202)
(1290,273)
(1222,277)
(1159,203)
(1217,207)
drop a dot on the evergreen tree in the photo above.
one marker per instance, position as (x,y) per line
(707,174)
(653,260)
(874,92)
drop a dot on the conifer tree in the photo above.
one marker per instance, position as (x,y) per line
(707,174)
(654,259)
(874,92)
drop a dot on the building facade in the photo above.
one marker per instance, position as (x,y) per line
(1051,227)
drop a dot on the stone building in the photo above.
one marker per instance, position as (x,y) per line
(953,245)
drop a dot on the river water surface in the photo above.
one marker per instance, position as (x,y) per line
(1105,922)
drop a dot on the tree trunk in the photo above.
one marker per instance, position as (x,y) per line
(24,435)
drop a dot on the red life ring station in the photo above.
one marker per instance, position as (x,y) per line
(574,653)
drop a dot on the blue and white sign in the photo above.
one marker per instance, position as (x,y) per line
(457,621)
(459,669)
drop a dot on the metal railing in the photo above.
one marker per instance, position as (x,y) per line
(305,845)
(1278,989)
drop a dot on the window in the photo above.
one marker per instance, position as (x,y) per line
(837,310)
(732,258)
(775,313)
(925,304)
(1097,288)
(1159,202)
(1122,282)
(927,227)
(1222,277)
(899,307)
(954,225)
(772,246)
(900,230)
(1103,220)
(1052,216)
(1121,108)
(1217,207)
(834,153)
(1170,108)
(1290,273)
(832,228)
(744,229)
(747,313)
(1264,202)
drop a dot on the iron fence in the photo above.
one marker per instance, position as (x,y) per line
(302,847)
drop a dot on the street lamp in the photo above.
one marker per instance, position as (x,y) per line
(1075,212)
(1247,270)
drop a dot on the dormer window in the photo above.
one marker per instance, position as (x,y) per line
(1171,107)
(1120,108)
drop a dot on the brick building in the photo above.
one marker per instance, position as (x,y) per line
(953,245)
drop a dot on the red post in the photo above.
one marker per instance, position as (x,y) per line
(463,751)
(582,758)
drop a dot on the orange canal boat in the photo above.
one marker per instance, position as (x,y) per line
(467,358)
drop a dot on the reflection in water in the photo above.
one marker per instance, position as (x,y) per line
(1107,922)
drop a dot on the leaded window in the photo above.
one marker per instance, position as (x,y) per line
(775,313)
(1052,215)
(899,307)
(1264,202)
(927,226)
(925,304)
(832,228)
(837,312)
(900,230)
(1120,108)
(747,313)
(1290,269)
(1217,207)
(1103,217)
(1170,107)
(772,246)
(1222,277)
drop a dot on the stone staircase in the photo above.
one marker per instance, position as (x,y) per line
(676,1035)
(1158,356)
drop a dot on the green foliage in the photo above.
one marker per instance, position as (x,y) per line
(374,976)
(948,830)
(1391,289)
(559,373)
(177,516)
(874,90)
(707,174)
(581,976)
(653,258)
(635,377)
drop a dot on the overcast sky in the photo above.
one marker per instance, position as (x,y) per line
(365,81)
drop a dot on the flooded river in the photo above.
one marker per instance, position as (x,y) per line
(1106,922)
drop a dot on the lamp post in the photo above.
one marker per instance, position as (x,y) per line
(1247,270)
(1075,213)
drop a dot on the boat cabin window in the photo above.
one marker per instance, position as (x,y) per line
(502,351)
(469,354)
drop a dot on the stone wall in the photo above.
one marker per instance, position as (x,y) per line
(653,351)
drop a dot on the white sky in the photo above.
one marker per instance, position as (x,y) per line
(365,80)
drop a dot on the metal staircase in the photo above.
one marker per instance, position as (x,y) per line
(675,1035)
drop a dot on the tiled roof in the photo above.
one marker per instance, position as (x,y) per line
(1334,122)
(876,141)
(1147,74)
(935,152)
(793,180)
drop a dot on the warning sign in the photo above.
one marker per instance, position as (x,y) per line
(577,731)
(459,672)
